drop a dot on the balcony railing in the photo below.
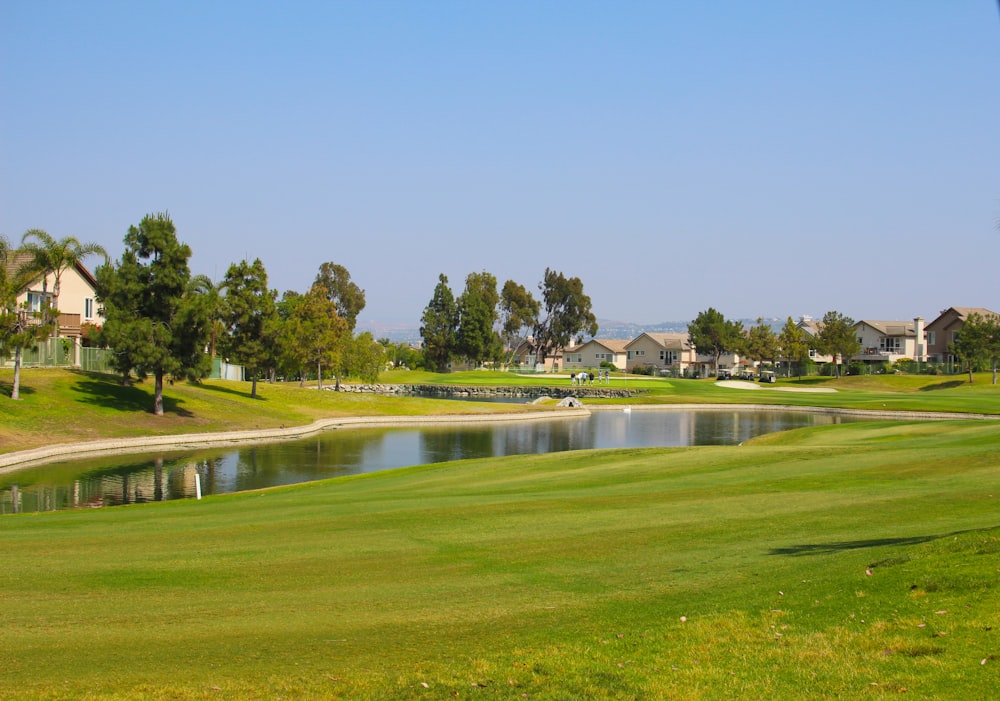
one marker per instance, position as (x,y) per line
(873,353)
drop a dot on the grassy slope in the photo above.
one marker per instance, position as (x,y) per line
(66,405)
(555,576)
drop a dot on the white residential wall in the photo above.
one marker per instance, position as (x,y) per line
(875,345)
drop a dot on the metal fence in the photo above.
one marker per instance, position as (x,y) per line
(97,360)
(50,353)
(63,353)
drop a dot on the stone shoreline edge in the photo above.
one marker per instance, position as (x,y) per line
(10,462)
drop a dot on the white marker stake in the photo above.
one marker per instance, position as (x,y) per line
(197,485)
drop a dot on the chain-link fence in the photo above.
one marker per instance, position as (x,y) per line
(96,360)
(60,352)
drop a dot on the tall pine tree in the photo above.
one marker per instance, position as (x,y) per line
(154,320)
(248,312)
(439,326)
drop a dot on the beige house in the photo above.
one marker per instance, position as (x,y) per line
(663,351)
(889,341)
(943,331)
(811,327)
(77,298)
(524,355)
(596,351)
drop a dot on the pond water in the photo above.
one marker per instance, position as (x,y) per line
(160,476)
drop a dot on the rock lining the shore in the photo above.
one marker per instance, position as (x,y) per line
(488,392)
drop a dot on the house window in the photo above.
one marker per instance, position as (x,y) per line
(88,308)
(930,338)
(35,301)
(890,345)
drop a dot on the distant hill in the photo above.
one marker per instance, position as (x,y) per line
(397,333)
(606,328)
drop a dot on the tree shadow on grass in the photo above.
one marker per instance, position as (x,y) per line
(811,381)
(234,392)
(125,398)
(950,384)
(7,388)
(839,546)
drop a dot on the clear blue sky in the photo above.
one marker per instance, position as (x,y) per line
(763,158)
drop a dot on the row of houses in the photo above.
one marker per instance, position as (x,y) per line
(672,353)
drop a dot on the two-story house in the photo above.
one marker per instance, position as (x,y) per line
(943,331)
(888,341)
(77,299)
(525,356)
(672,352)
(596,351)
(811,328)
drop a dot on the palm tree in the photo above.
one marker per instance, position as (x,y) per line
(203,285)
(48,256)
(19,328)
(4,253)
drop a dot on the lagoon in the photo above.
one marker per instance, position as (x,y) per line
(116,480)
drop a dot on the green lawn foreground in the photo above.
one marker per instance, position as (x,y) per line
(852,561)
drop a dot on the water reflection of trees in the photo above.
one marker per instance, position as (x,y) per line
(545,437)
(320,457)
(130,483)
(444,444)
(128,480)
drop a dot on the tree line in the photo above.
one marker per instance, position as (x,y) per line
(485,324)
(162,321)
(712,334)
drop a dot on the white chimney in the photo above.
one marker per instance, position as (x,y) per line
(918,328)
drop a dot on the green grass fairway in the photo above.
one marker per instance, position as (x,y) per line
(858,561)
